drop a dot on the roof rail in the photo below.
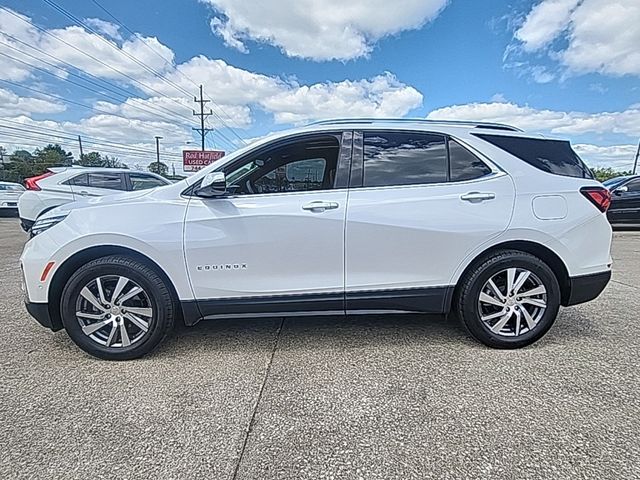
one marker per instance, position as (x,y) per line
(489,125)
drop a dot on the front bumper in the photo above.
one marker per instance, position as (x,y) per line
(587,287)
(40,311)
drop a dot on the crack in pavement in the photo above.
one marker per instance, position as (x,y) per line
(255,406)
(625,284)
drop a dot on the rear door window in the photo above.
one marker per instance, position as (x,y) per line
(111,181)
(79,180)
(464,165)
(552,156)
(404,158)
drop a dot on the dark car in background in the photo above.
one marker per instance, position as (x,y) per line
(625,200)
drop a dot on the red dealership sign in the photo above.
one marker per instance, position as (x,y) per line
(194,160)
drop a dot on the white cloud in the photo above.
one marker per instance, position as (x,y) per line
(107,61)
(319,29)
(221,80)
(235,90)
(225,30)
(106,28)
(589,36)
(619,157)
(605,37)
(161,108)
(626,122)
(382,96)
(545,22)
(12,104)
(289,102)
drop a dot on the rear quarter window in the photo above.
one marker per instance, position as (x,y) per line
(552,156)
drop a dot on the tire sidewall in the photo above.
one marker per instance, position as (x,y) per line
(157,325)
(470,310)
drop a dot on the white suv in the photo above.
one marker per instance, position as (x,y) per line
(349,216)
(60,185)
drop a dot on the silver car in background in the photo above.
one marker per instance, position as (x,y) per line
(9,195)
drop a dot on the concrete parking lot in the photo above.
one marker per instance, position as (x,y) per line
(394,397)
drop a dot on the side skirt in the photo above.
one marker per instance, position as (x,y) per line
(434,300)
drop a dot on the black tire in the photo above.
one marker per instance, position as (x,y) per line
(159,296)
(470,287)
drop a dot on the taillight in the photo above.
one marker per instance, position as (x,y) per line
(31,183)
(599,196)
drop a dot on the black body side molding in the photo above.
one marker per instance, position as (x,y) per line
(434,300)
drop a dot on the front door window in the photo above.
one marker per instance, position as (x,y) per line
(305,165)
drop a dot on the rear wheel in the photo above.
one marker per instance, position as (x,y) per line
(117,308)
(509,300)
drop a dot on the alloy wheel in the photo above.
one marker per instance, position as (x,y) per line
(114,311)
(512,302)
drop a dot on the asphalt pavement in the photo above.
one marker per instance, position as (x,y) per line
(388,397)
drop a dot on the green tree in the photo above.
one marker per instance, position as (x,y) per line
(94,159)
(603,174)
(53,156)
(19,166)
(23,164)
(159,168)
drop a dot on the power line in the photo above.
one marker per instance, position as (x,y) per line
(72,134)
(58,97)
(138,62)
(35,140)
(143,85)
(110,97)
(46,32)
(174,66)
(72,141)
(112,145)
(59,60)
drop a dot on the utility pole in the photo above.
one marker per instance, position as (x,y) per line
(635,162)
(80,143)
(158,154)
(202,131)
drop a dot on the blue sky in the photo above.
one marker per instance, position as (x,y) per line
(543,65)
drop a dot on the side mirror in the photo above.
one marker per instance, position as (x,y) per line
(214,184)
(621,190)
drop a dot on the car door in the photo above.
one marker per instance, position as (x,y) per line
(625,203)
(419,203)
(275,242)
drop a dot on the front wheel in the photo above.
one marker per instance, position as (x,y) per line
(117,308)
(509,300)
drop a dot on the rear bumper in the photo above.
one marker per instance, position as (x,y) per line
(587,287)
(40,311)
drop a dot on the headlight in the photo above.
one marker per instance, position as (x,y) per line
(45,224)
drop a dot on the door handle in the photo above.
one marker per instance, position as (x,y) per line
(83,193)
(476,197)
(320,206)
